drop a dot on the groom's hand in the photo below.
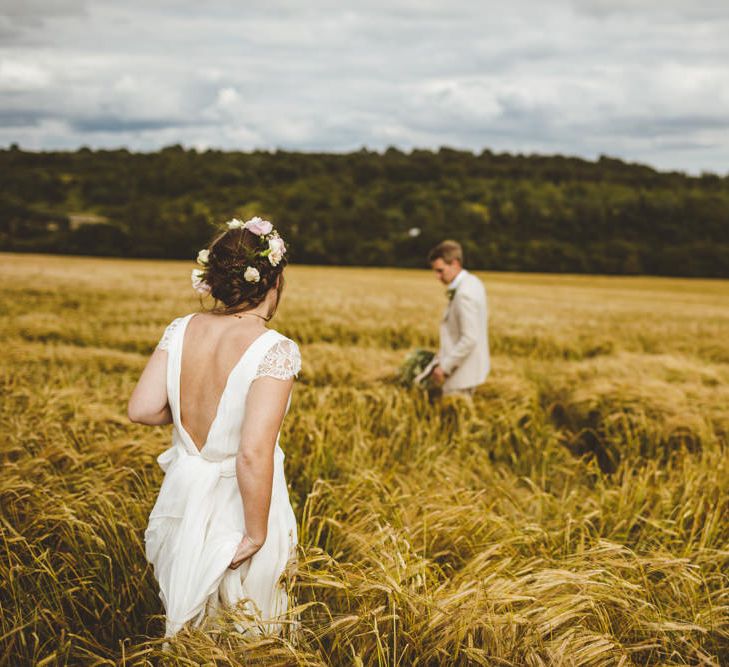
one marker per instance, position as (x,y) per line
(438,375)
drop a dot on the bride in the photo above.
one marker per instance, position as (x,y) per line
(222,529)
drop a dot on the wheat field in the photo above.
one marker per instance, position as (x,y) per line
(575,513)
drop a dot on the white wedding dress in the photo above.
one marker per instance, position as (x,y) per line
(197,521)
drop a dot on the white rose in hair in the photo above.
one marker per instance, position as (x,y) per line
(235,224)
(198,283)
(202,256)
(277,248)
(252,275)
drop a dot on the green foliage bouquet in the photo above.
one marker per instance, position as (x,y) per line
(417,367)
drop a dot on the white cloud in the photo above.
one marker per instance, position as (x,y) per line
(18,76)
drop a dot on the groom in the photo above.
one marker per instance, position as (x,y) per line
(463,356)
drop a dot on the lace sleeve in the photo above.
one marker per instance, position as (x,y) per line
(282,360)
(164,341)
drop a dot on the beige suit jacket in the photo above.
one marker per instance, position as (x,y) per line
(464,345)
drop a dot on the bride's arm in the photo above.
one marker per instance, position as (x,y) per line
(265,410)
(148,402)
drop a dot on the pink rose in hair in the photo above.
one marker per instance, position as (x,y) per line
(259,226)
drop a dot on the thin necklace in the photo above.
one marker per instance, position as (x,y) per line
(239,315)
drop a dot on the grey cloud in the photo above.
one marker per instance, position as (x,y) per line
(608,8)
(20,118)
(40,8)
(643,80)
(669,127)
(112,124)
(22,21)
(25,14)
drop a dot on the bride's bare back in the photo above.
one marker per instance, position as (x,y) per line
(211,348)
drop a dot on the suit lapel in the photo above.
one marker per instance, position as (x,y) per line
(448,307)
(450,301)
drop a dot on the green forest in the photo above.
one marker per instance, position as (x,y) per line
(367,208)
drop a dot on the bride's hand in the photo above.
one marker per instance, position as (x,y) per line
(246,548)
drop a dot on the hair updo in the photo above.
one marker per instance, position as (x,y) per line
(229,255)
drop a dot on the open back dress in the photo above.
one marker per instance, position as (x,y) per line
(197,520)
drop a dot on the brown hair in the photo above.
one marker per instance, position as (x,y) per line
(447,250)
(230,253)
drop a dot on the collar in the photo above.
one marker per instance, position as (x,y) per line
(457,280)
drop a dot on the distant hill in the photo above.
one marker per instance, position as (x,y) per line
(510,212)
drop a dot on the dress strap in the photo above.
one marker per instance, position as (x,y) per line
(173,370)
(257,353)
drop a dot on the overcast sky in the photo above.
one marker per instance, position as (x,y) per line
(644,80)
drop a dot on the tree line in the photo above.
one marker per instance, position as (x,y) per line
(510,212)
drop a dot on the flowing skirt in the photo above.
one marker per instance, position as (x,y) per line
(193,532)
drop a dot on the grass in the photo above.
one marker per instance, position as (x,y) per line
(577,513)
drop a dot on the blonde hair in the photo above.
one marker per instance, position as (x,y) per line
(447,250)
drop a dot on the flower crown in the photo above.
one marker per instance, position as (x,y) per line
(271,245)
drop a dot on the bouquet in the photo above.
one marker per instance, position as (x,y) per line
(417,367)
